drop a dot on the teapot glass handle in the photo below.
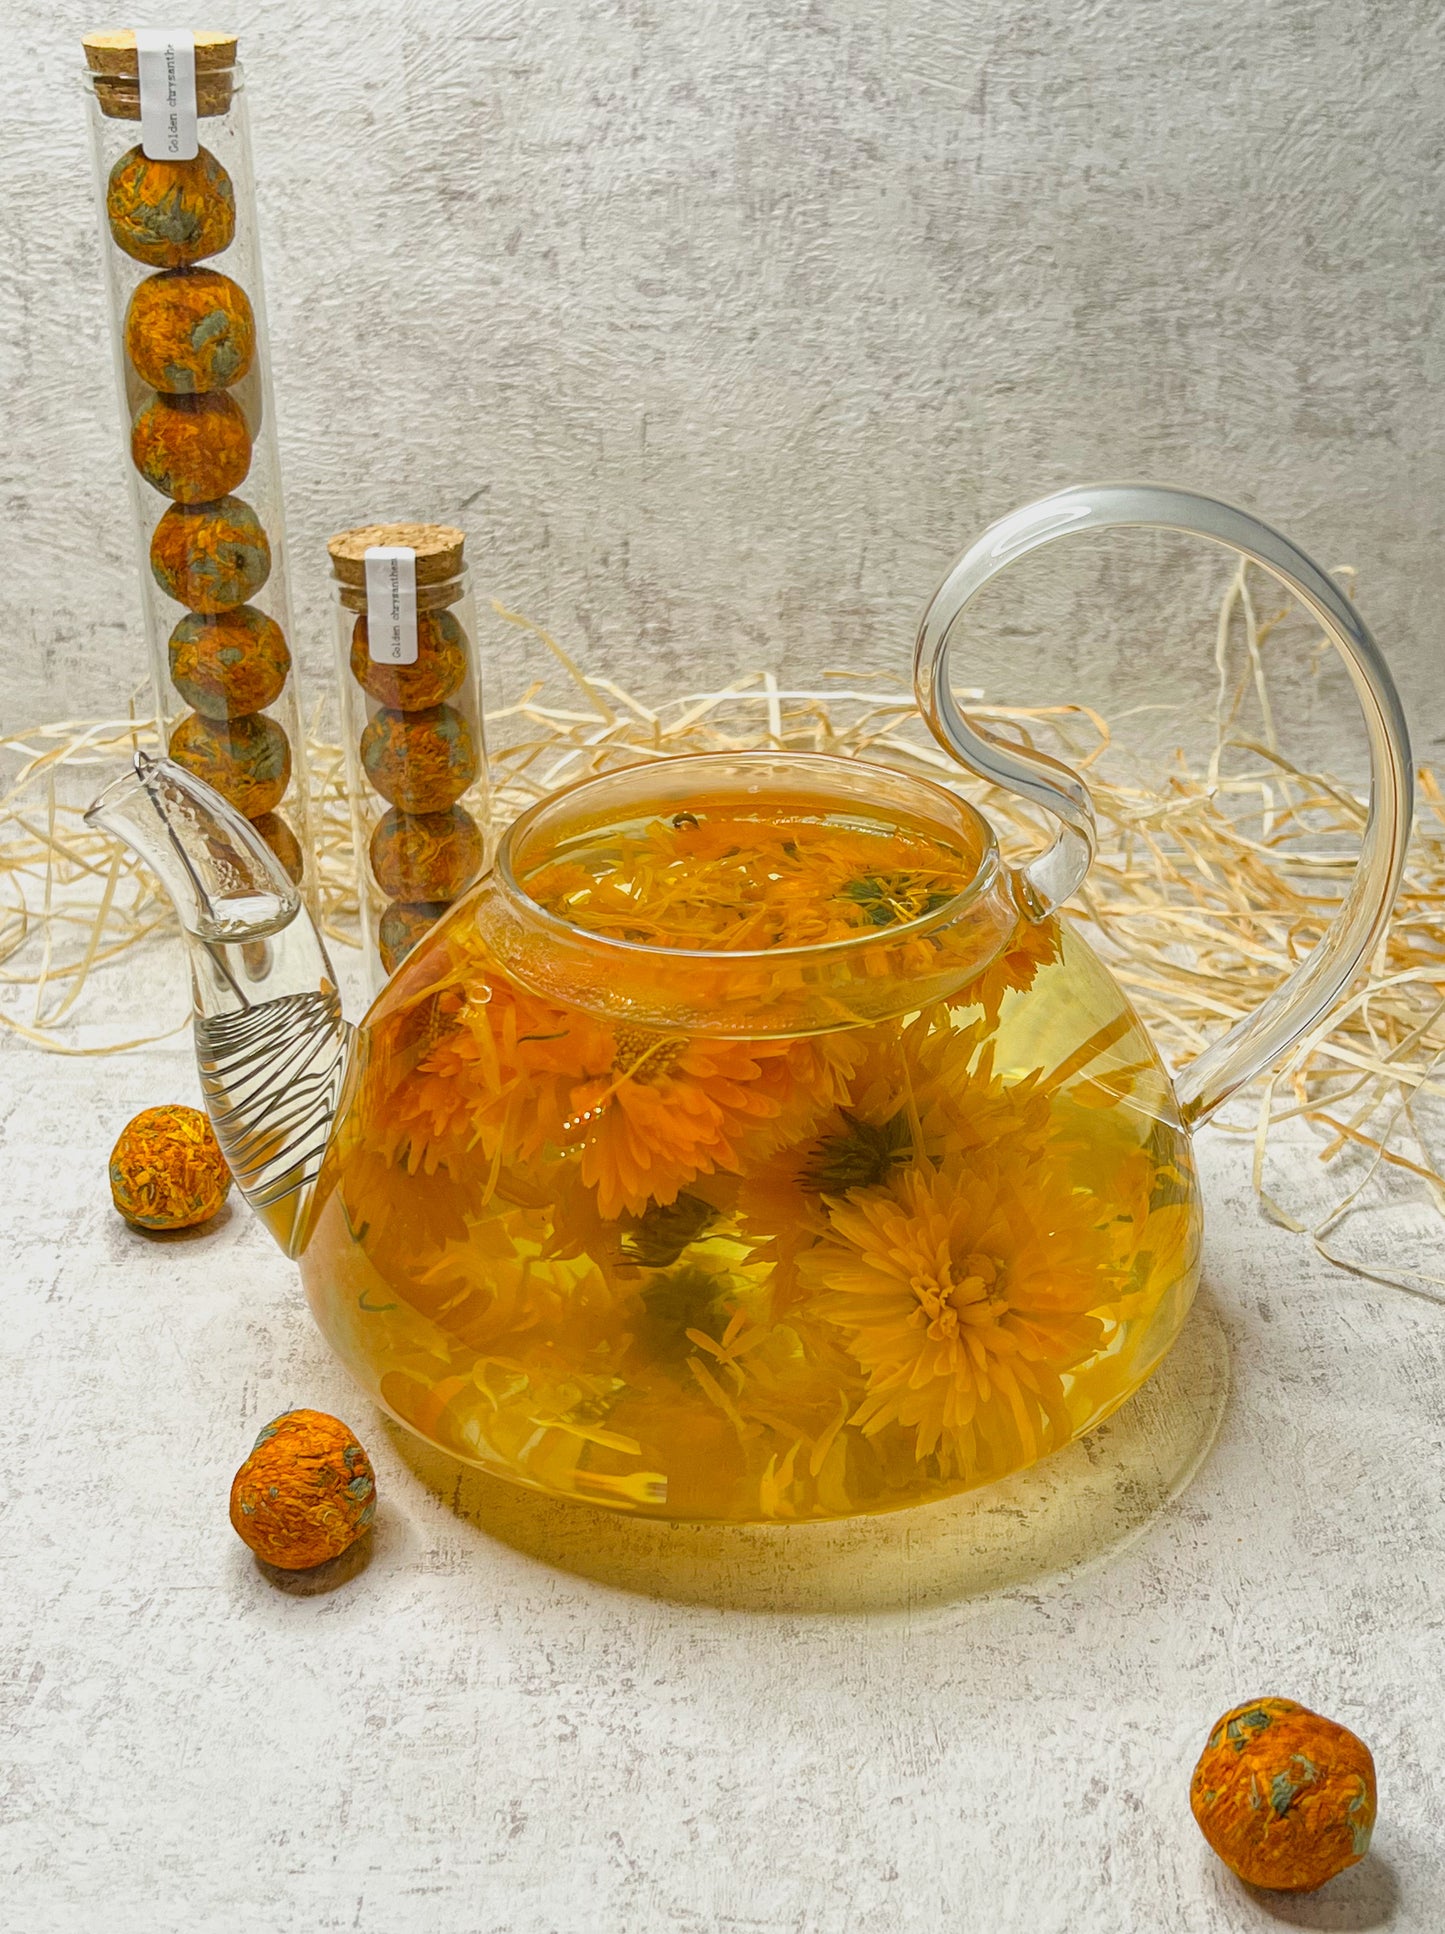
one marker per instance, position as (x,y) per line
(1252,1044)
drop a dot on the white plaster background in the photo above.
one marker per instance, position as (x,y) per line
(722,328)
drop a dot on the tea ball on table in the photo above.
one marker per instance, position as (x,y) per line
(167,1170)
(305,1494)
(1285,1797)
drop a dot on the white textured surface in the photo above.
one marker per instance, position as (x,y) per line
(722,329)
(524,1718)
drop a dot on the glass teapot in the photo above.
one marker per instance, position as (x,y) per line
(751,1143)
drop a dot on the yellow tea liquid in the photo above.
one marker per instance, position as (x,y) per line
(798,1276)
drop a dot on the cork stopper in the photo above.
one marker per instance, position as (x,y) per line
(113,53)
(115,74)
(439,561)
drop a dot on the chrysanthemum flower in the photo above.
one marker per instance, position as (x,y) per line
(672,1108)
(496,1076)
(964,1295)
(510,1076)
(921,1091)
(1033,944)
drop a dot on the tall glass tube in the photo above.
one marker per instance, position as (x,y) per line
(406,631)
(188,327)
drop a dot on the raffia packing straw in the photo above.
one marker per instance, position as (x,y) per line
(1207,885)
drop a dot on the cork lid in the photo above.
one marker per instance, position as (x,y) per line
(114,52)
(115,75)
(438,550)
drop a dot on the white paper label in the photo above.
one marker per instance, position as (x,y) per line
(166,63)
(391,604)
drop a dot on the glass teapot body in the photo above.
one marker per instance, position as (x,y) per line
(750,1143)
(748,1232)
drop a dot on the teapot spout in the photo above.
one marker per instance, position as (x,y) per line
(271,1043)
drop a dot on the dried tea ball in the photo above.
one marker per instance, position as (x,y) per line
(1284,1797)
(420,761)
(169,214)
(192,448)
(306,1492)
(229,663)
(283,843)
(247,760)
(426,856)
(401,928)
(441,664)
(167,1170)
(211,557)
(188,330)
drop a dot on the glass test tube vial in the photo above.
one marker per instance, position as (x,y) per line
(412,722)
(175,188)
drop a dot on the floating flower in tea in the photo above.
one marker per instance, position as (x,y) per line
(965,1292)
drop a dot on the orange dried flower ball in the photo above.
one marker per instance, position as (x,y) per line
(247,760)
(1285,1797)
(211,557)
(228,663)
(441,664)
(192,448)
(420,761)
(167,1170)
(305,1494)
(426,856)
(402,926)
(188,330)
(283,843)
(169,214)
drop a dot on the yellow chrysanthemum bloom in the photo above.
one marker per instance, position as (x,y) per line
(921,1091)
(965,1295)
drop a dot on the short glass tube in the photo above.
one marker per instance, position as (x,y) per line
(188,331)
(411,721)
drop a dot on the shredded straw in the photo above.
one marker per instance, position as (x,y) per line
(1209,885)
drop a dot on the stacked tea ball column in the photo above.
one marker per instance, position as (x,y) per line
(188,343)
(414,738)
